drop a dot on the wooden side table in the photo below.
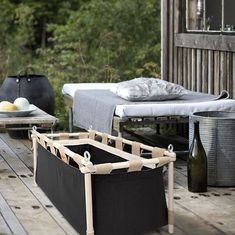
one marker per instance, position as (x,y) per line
(37,118)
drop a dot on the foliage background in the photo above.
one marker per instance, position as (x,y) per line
(80,41)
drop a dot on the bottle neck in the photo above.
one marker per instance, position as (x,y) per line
(196,130)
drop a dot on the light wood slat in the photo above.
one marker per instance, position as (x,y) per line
(180,66)
(27,143)
(221,220)
(202,215)
(22,202)
(187,220)
(185,68)
(205,41)
(26,157)
(232,87)
(23,153)
(164,39)
(5,230)
(176,12)
(8,222)
(216,216)
(171,41)
(50,217)
(223,71)
(3,225)
(175,65)
(199,70)
(194,83)
(204,77)
(225,193)
(9,216)
(164,231)
(210,72)
(220,195)
(37,117)
(189,64)
(216,72)
(228,78)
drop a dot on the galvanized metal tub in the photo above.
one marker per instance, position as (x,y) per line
(217,132)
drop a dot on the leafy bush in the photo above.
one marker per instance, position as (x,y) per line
(81,41)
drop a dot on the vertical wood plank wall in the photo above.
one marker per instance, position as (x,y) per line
(206,69)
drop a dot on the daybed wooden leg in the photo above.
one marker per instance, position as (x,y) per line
(170,197)
(35,153)
(89,210)
(70,119)
(119,134)
(120,130)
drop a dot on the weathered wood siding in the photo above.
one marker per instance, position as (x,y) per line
(199,62)
(204,70)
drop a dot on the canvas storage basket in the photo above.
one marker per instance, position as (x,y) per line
(99,187)
(217,132)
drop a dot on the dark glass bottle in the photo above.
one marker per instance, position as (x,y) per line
(197,164)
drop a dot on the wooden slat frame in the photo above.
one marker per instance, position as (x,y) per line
(60,145)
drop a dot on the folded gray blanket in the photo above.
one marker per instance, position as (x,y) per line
(94,109)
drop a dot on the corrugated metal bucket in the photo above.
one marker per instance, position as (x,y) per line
(217,131)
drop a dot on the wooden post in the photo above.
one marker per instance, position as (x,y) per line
(170,29)
(70,119)
(170,197)
(164,39)
(89,210)
(35,153)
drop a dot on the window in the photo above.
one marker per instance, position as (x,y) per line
(210,16)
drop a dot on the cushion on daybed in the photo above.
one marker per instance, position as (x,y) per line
(141,89)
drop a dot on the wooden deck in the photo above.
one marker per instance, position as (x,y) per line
(24,209)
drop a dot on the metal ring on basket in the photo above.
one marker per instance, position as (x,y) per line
(87,156)
(170,148)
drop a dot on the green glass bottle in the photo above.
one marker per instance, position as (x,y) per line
(197,164)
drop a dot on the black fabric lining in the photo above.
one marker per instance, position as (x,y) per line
(123,203)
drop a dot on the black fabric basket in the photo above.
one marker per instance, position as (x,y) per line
(124,203)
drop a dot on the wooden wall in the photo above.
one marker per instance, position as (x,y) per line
(199,62)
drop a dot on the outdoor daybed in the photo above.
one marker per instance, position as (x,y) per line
(93,105)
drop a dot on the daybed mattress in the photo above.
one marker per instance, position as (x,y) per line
(70,88)
(169,108)
(172,109)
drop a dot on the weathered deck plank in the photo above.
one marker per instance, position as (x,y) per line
(44,218)
(8,221)
(215,207)
(24,205)
(20,149)
(210,213)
